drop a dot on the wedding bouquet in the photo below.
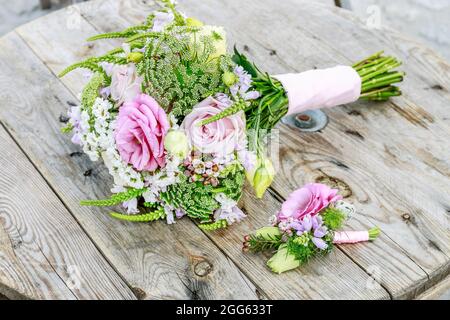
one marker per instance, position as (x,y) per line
(180,123)
(306,226)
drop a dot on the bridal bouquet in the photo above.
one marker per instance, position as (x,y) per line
(180,123)
(307,225)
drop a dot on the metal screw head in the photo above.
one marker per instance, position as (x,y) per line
(308,121)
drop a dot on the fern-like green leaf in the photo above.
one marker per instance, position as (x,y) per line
(147,217)
(333,218)
(235,108)
(115,199)
(221,224)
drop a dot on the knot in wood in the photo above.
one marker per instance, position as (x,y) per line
(406,217)
(203,268)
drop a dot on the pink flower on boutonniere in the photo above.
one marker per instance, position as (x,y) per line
(125,83)
(141,127)
(308,201)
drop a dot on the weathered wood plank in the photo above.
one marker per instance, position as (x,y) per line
(137,11)
(383,194)
(441,291)
(158,261)
(44,253)
(378,292)
(394,253)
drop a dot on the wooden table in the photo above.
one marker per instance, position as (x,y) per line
(390,159)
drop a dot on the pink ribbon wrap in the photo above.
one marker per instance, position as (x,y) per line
(317,89)
(348,237)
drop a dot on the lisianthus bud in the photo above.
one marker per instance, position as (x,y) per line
(229,78)
(192,22)
(176,143)
(262,177)
(135,57)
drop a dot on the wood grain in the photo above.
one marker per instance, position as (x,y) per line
(44,253)
(254,274)
(157,261)
(135,12)
(387,158)
(392,187)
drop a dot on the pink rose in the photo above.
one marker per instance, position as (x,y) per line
(221,137)
(141,127)
(125,83)
(309,200)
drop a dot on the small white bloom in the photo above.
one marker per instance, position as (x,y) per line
(348,209)
(131,206)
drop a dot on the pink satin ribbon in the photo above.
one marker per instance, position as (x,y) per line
(317,89)
(348,237)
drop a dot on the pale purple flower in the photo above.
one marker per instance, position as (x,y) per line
(107,67)
(170,219)
(317,222)
(248,159)
(131,206)
(74,114)
(161,20)
(105,92)
(297,226)
(307,223)
(322,245)
(230,215)
(243,84)
(180,213)
(320,232)
(224,99)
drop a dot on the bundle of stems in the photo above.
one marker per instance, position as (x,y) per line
(377,75)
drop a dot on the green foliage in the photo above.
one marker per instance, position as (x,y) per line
(82,65)
(115,199)
(67,129)
(378,76)
(91,91)
(197,199)
(147,217)
(221,224)
(235,108)
(304,249)
(259,243)
(243,61)
(333,218)
(93,63)
(266,112)
(374,233)
(120,34)
(178,72)
(194,198)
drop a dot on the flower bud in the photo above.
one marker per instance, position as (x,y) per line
(192,22)
(229,78)
(176,143)
(262,177)
(135,57)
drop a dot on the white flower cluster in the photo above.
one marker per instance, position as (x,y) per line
(159,181)
(97,139)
